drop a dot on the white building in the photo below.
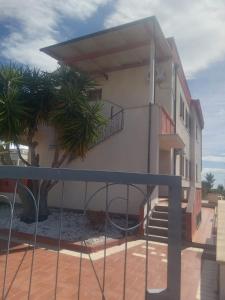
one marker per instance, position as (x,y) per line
(154,124)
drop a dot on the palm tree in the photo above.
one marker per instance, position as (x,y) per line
(30,97)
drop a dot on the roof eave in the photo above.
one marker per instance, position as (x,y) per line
(158,35)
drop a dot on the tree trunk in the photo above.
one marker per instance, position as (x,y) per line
(30,206)
(43,205)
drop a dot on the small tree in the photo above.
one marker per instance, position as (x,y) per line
(221,189)
(210,180)
(30,98)
(205,188)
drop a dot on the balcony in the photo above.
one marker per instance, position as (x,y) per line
(168,138)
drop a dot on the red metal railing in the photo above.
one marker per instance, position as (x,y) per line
(167,124)
(8,185)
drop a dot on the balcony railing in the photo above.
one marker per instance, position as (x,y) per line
(115,123)
(167,124)
(114,115)
(169,139)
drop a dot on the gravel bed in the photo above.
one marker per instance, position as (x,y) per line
(75,226)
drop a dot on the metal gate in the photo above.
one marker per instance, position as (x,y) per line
(144,183)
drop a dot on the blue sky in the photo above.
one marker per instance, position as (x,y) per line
(198,28)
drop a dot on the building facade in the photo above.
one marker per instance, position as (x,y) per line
(154,124)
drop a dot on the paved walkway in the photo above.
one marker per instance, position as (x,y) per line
(204,234)
(44,272)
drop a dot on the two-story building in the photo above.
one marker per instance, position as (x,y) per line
(154,124)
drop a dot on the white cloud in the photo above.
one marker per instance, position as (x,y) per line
(213,170)
(211,158)
(198,26)
(36,26)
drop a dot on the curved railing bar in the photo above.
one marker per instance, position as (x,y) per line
(145,201)
(8,200)
(102,188)
(31,194)
(9,240)
(34,240)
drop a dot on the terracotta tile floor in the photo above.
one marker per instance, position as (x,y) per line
(44,273)
(204,232)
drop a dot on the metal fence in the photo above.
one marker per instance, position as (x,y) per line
(128,180)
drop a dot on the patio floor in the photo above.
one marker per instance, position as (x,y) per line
(204,234)
(44,272)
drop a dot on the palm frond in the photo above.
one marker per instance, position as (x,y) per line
(77,122)
(29,97)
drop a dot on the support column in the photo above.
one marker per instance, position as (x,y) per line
(154,125)
(153,138)
(152,73)
(151,101)
(173,290)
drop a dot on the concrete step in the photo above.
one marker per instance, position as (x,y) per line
(158,222)
(162,208)
(160,231)
(163,222)
(159,238)
(160,215)
(156,238)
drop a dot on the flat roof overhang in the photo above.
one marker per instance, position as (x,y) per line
(169,141)
(117,48)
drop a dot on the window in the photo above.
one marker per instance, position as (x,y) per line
(95,94)
(186,119)
(181,165)
(181,108)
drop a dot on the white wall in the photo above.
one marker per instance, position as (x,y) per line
(196,148)
(182,131)
(166,168)
(125,151)
(164,88)
(128,88)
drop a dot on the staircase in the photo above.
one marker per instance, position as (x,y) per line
(114,115)
(157,229)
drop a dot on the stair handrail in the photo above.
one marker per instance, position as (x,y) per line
(115,124)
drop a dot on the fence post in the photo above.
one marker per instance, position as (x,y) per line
(172,292)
